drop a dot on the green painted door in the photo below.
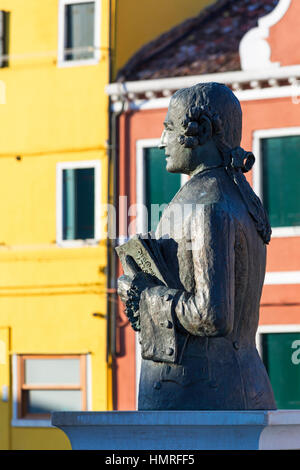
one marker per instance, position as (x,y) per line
(281,356)
(161,185)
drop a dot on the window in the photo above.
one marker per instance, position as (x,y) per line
(78,202)
(161,186)
(281,189)
(4,29)
(276,178)
(281,355)
(79,32)
(45,383)
(154,184)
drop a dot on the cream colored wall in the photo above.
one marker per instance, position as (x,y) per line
(140,21)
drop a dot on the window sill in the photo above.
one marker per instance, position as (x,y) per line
(281,232)
(77,243)
(77,63)
(31,423)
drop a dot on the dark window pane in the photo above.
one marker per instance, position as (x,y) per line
(85,202)
(79,31)
(281,355)
(78,203)
(4,37)
(161,186)
(281,188)
(69,215)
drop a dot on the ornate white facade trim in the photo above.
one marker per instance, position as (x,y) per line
(255,51)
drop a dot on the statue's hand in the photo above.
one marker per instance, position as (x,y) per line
(124,284)
(130,289)
(137,281)
(130,298)
(140,282)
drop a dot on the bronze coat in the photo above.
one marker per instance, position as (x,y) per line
(198,335)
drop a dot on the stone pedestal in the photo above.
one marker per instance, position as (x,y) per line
(181,430)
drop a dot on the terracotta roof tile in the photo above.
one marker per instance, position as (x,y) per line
(207,43)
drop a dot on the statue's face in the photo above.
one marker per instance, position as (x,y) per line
(178,157)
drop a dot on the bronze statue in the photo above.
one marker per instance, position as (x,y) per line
(197,320)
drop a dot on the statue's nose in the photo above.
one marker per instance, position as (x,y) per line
(163,142)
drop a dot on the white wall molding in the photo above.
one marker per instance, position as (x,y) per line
(247,86)
(282,277)
(236,79)
(255,51)
(286,328)
(290,91)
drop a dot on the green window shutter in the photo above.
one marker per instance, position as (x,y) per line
(4,29)
(85,203)
(78,204)
(161,185)
(69,222)
(281,356)
(281,189)
(79,30)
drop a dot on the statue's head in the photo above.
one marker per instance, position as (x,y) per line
(203,118)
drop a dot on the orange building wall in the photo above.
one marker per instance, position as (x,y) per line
(280,304)
(284,37)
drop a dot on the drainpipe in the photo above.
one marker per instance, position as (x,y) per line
(112,198)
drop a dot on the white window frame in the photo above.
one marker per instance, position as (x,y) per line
(282,278)
(96,164)
(265,329)
(42,423)
(61,35)
(258,173)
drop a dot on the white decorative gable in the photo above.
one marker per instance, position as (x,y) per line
(255,50)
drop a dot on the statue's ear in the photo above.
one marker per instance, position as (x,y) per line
(205,130)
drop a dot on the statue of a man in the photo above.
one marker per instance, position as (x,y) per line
(198,335)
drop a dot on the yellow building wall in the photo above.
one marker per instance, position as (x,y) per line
(48,294)
(139,21)
(53,114)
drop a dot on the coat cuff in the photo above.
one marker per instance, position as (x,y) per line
(157,324)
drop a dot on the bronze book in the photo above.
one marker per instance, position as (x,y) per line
(145,251)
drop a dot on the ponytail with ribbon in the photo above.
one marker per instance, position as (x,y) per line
(239,162)
(236,161)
